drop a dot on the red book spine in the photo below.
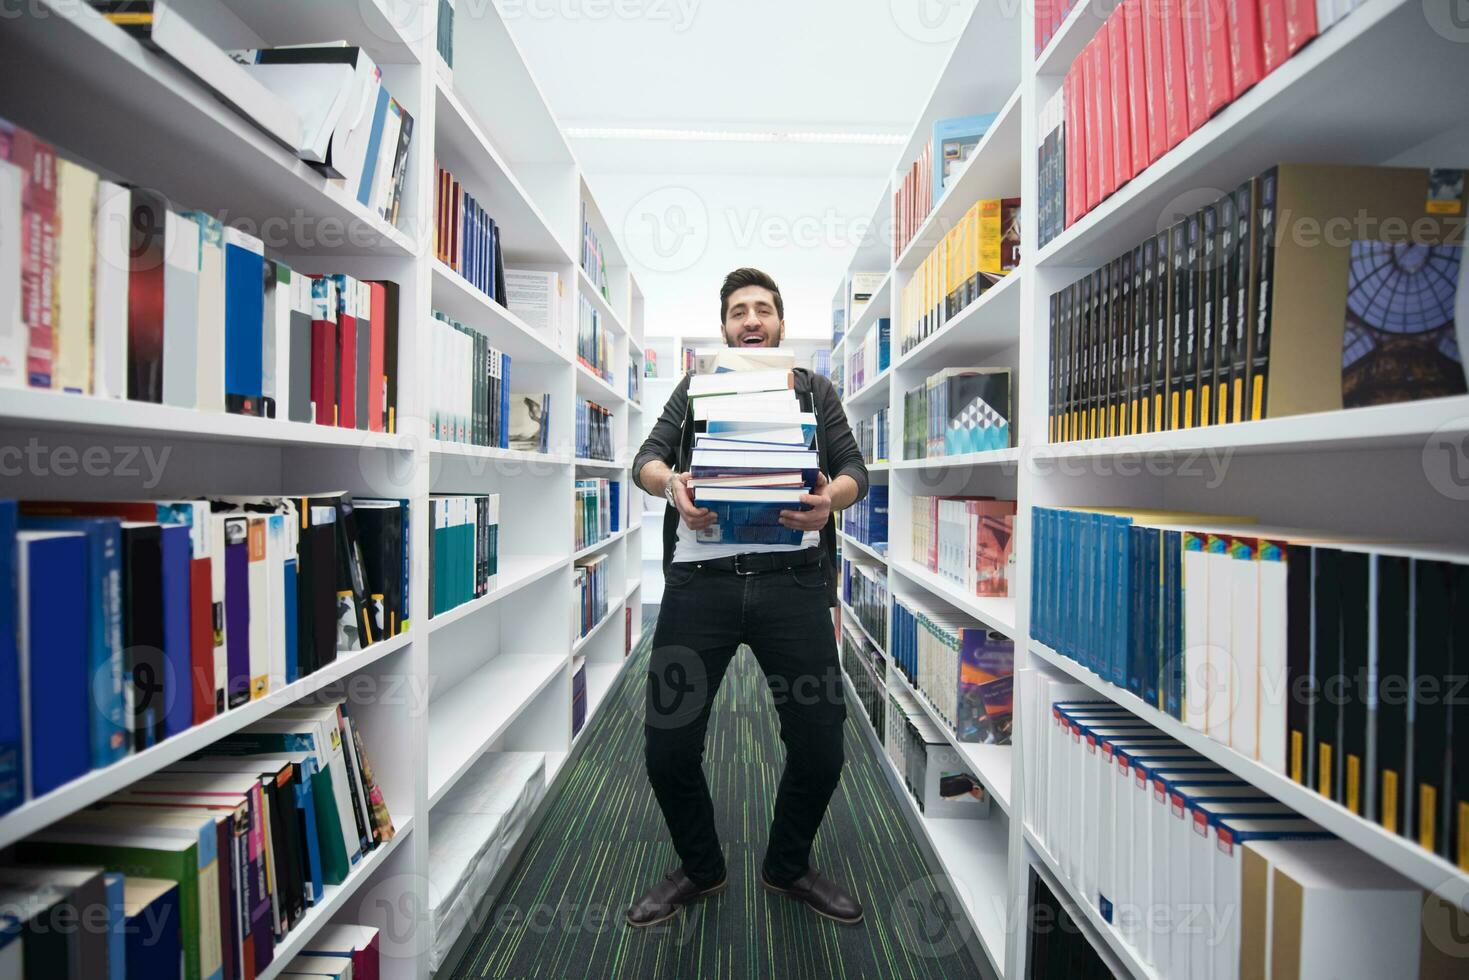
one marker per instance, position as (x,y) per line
(1218,87)
(1175,83)
(1137,84)
(1272,35)
(1122,167)
(1075,148)
(37,160)
(1102,73)
(1246,57)
(324,367)
(377,380)
(347,359)
(1092,165)
(1193,61)
(1300,24)
(201,637)
(1152,31)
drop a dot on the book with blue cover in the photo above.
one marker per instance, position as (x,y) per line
(51,577)
(749,515)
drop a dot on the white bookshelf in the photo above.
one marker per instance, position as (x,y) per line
(1352,95)
(491,674)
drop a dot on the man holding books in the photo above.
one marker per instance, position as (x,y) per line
(755,458)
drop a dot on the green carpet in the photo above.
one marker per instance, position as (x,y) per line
(602,842)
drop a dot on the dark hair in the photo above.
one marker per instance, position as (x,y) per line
(739,279)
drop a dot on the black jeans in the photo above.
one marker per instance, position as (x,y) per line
(784,617)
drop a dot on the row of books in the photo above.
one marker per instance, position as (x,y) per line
(865,591)
(966,540)
(1233,314)
(958,410)
(861,287)
(1299,649)
(596,512)
(872,436)
(227,850)
(634,377)
(125,623)
(871,357)
(865,667)
(590,581)
(467,239)
(593,431)
(113,291)
(952,143)
(593,259)
(1153,836)
(913,199)
(593,344)
(1056,948)
(977,252)
(326,103)
(444,38)
(934,772)
(339,951)
(867,519)
(650,363)
(1156,71)
(463,548)
(469,400)
(964,670)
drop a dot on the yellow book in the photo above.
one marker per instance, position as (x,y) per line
(76,209)
(990,234)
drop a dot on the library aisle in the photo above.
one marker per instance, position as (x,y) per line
(602,841)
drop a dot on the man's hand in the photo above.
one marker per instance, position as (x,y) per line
(820,503)
(694,518)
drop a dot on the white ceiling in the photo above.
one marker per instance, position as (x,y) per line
(798,65)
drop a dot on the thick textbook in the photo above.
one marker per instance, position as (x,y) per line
(749,515)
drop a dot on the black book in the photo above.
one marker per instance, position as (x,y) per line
(1392,652)
(1433,664)
(1207,275)
(390,354)
(1457,837)
(1264,281)
(1226,266)
(142,628)
(1140,387)
(1300,679)
(1186,306)
(1246,216)
(1355,571)
(1053,359)
(1326,669)
(1162,390)
(47,906)
(316,606)
(380,525)
(299,383)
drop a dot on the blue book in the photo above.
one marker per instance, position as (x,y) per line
(293,653)
(306,801)
(244,317)
(117,961)
(105,664)
(374,146)
(953,141)
(747,515)
(178,673)
(505,402)
(55,703)
(154,944)
(11,788)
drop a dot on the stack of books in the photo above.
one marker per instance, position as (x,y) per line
(754,449)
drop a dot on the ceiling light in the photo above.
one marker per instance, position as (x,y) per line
(732,136)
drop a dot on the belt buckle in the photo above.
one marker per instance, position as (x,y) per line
(739,570)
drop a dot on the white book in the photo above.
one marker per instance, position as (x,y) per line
(382,169)
(535,296)
(277,549)
(318,93)
(110,310)
(739,382)
(76,250)
(354,130)
(1242,679)
(722,359)
(261,608)
(174,36)
(1195,638)
(183,276)
(14,332)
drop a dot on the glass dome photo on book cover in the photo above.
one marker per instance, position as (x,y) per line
(1400,341)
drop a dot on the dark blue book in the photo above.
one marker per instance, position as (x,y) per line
(244,317)
(747,515)
(153,938)
(178,687)
(293,656)
(108,727)
(55,706)
(11,787)
(237,610)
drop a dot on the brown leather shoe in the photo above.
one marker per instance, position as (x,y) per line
(822,894)
(662,901)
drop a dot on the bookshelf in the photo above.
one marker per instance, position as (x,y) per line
(492,674)
(1365,471)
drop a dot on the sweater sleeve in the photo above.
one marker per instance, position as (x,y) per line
(842,451)
(662,441)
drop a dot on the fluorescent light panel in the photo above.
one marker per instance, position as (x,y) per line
(732,136)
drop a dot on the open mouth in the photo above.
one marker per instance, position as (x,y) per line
(753,340)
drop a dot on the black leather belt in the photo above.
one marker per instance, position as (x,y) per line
(756,563)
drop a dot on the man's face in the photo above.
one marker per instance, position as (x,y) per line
(750,319)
